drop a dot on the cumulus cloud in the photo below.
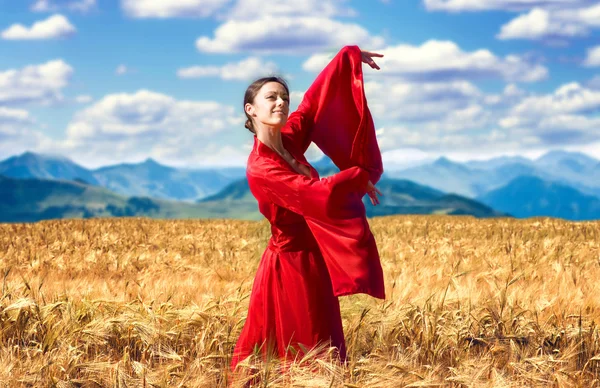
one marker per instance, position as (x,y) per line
(444,60)
(285,34)
(564,117)
(83,99)
(130,127)
(451,117)
(56,26)
(256,9)
(593,57)
(542,24)
(510,96)
(442,116)
(547,24)
(569,98)
(34,83)
(506,5)
(249,68)
(285,26)
(16,140)
(172,8)
(419,102)
(432,140)
(56,5)
(547,20)
(16,135)
(13,116)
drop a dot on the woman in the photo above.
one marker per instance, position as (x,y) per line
(321,245)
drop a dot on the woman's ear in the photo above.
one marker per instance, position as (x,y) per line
(249,109)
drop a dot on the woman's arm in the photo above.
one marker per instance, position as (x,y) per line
(334,114)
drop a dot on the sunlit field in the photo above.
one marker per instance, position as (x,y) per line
(140,302)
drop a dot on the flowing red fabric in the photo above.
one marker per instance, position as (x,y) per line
(321,245)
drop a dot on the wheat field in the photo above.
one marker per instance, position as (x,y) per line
(156,303)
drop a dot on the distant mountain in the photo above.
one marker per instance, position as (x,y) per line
(528,196)
(148,179)
(29,200)
(574,161)
(499,162)
(476,178)
(235,191)
(573,168)
(406,197)
(445,175)
(157,181)
(399,197)
(31,165)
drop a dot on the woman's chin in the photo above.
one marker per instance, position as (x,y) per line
(277,123)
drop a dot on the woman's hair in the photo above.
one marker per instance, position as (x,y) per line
(252,91)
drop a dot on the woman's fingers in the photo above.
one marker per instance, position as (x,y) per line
(367,58)
(370,62)
(373,191)
(373,54)
(373,197)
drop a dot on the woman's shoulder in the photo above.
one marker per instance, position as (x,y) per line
(258,165)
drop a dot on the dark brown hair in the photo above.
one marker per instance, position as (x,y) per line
(252,91)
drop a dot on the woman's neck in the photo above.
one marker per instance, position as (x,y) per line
(271,137)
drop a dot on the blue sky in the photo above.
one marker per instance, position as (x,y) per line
(104,82)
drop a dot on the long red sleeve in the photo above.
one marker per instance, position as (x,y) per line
(334,115)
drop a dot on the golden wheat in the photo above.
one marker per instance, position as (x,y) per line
(153,303)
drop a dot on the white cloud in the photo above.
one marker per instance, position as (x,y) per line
(16,140)
(443,60)
(83,99)
(419,102)
(540,24)
(130,127)
(593,57)
(249,68)
(569,98)
(16,135)
(551,21)
(565,117)
(285,34)
(442,116)
(56,26)
(54,5)
(171,8)
(34,83)
(506,5)
(256,9)
(12,116)
(510,96)
(547,24)
(432,140)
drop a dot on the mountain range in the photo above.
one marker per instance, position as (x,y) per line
(559,184)
(476,178)
(148,179)
(30,200)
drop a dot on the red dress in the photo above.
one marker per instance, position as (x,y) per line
(321,245)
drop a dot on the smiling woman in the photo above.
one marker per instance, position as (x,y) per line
(273,98)
(321,245)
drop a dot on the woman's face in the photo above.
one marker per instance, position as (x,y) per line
(271,106)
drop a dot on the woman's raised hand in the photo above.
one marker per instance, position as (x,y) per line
(367,57)
(373,191)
